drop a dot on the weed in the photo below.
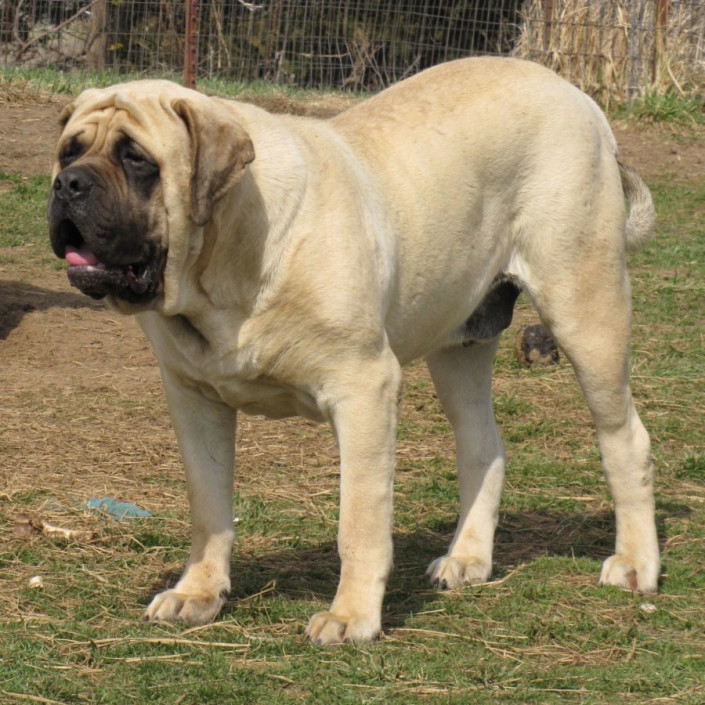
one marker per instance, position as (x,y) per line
(668,106)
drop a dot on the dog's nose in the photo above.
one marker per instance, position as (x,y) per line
(71,184)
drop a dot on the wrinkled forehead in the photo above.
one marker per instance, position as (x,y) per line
(141,111)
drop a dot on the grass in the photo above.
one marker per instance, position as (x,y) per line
(21,216)
(542,632)
(668,106)
(50,80)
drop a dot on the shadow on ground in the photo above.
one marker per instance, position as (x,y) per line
(18,299)
(311,572)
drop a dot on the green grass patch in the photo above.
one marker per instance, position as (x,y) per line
(668,106)
(23,223)
(50,80)
(46,79)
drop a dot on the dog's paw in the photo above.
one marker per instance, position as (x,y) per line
(328,628)
(191,609)
(449,573)
(629,574)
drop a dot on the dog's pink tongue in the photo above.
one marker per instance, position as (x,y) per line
(82,257)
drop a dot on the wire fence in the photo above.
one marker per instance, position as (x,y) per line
(620,48)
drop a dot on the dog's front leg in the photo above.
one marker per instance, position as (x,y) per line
(205,431)
(364,417)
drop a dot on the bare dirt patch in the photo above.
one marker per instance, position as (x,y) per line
(28,131)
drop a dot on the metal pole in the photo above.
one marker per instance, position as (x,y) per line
(190,42)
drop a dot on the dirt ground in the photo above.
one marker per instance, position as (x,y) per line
(83,413)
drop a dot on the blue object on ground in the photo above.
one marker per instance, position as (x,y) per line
(118,510)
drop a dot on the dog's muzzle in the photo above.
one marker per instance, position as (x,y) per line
(107,254)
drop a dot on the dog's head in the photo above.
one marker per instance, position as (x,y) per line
(139,170)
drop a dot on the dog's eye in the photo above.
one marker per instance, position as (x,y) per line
(138,163)
(71,151)
(134,159)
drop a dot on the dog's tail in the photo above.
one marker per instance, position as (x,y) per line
(642,215)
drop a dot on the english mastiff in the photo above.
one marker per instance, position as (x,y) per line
(284,265)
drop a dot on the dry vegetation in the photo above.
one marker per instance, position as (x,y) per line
(606,48)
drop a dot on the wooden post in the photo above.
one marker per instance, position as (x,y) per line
(190,43)
(97,44)
(661,24)
(547,24)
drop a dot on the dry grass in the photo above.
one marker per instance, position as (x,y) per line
(607,48)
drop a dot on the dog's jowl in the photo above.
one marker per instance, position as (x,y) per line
(284,265)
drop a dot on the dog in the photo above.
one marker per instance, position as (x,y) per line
(285,265)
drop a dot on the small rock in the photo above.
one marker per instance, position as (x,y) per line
(37,582)
(535,347)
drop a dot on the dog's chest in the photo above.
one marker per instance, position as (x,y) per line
(224,373)
(262,396)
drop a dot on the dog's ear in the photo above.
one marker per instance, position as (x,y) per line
(66,114)
(220,151)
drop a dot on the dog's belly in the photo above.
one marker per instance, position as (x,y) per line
(434,308)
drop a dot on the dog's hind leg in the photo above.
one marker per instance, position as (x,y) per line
(586,305)
(463,380)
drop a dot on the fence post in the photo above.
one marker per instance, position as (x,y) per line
(190,42)
(661,17)
(547,25)
(97,44)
